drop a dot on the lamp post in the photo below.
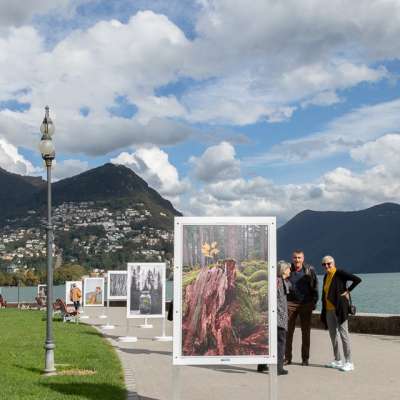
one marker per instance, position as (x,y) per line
(46,147)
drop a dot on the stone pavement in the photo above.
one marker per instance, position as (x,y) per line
(148,368)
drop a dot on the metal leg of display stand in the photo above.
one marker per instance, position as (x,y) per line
(108,326)
(127,338)
(163,337)
(82,311)
(146,325)
(273,382)
(103,316)
(176,382)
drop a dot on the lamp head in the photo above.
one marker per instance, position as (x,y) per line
(47,127)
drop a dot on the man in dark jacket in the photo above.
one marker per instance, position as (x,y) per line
(302,299)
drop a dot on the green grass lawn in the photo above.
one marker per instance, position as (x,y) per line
(78,347)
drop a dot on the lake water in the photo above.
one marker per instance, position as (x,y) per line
(377,293)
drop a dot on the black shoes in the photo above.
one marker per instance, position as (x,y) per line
(304,363)
(287,362)
(262,367)
(283,372)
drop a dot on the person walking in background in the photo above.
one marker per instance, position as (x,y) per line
(302,300)
(335,310)
(75,295)
(3,303)
(283,272)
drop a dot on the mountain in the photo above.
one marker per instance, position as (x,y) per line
(15,190)
(363,241)
(114,186)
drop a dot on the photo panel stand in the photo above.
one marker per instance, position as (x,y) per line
(128,338)
(176,382)
(82,311)
(145,325)
(103,316)
(163,337)
(107,326)
(228,242)
(273,381)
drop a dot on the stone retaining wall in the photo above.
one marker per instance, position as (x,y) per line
(373,324)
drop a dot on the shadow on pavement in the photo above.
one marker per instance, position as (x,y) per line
(228,369)
(90,391)
(145,351)
(147,398)
(312,365)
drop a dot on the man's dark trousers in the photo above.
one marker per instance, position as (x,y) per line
(305,313)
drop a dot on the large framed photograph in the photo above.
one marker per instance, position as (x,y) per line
(225,291)
(93,294)
(146,290)
(117,285)
(68,287)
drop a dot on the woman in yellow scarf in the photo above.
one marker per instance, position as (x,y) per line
(335,310)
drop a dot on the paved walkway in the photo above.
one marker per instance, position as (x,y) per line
(148,368)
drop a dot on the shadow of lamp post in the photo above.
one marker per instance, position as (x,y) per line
(46,147)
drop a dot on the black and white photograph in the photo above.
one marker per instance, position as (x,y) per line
(116,284)
(146,294)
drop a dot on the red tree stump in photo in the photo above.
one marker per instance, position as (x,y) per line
(211,304)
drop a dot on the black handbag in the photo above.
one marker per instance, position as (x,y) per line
(352,307)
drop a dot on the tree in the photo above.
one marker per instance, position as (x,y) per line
(68,272)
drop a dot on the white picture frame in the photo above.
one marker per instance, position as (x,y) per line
(41,287)
(111,296)
(132,310)
(90,286)
(271,355)
(68,286)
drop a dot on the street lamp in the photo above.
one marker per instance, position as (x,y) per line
(46,147)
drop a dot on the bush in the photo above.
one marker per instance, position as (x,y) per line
(249,270)
(241,278)
(259,276)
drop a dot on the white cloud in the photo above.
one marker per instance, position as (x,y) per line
(322,99)
(20,12)
(258,60)
(68,168)
(217,163)
(339,189)
(262,57)
(341,135)
(90,69)
(12,161)
(384,151)
(152,164)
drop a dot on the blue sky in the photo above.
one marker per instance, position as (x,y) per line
(225,108)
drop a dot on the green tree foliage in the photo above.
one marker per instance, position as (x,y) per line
(68,272)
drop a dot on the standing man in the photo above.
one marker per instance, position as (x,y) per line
(75,295)
(302,299)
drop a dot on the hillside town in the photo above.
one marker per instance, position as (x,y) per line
(83,228)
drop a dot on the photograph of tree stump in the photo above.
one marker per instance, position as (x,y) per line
(224,290)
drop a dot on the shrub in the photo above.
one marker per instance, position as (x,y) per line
(259,276)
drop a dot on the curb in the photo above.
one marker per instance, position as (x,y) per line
(129,373)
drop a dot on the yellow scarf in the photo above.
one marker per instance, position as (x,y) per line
(329,276)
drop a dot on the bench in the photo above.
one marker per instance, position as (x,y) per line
(67,314)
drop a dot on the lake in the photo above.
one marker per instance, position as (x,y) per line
(377,293)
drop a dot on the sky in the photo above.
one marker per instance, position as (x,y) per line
(261,108)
